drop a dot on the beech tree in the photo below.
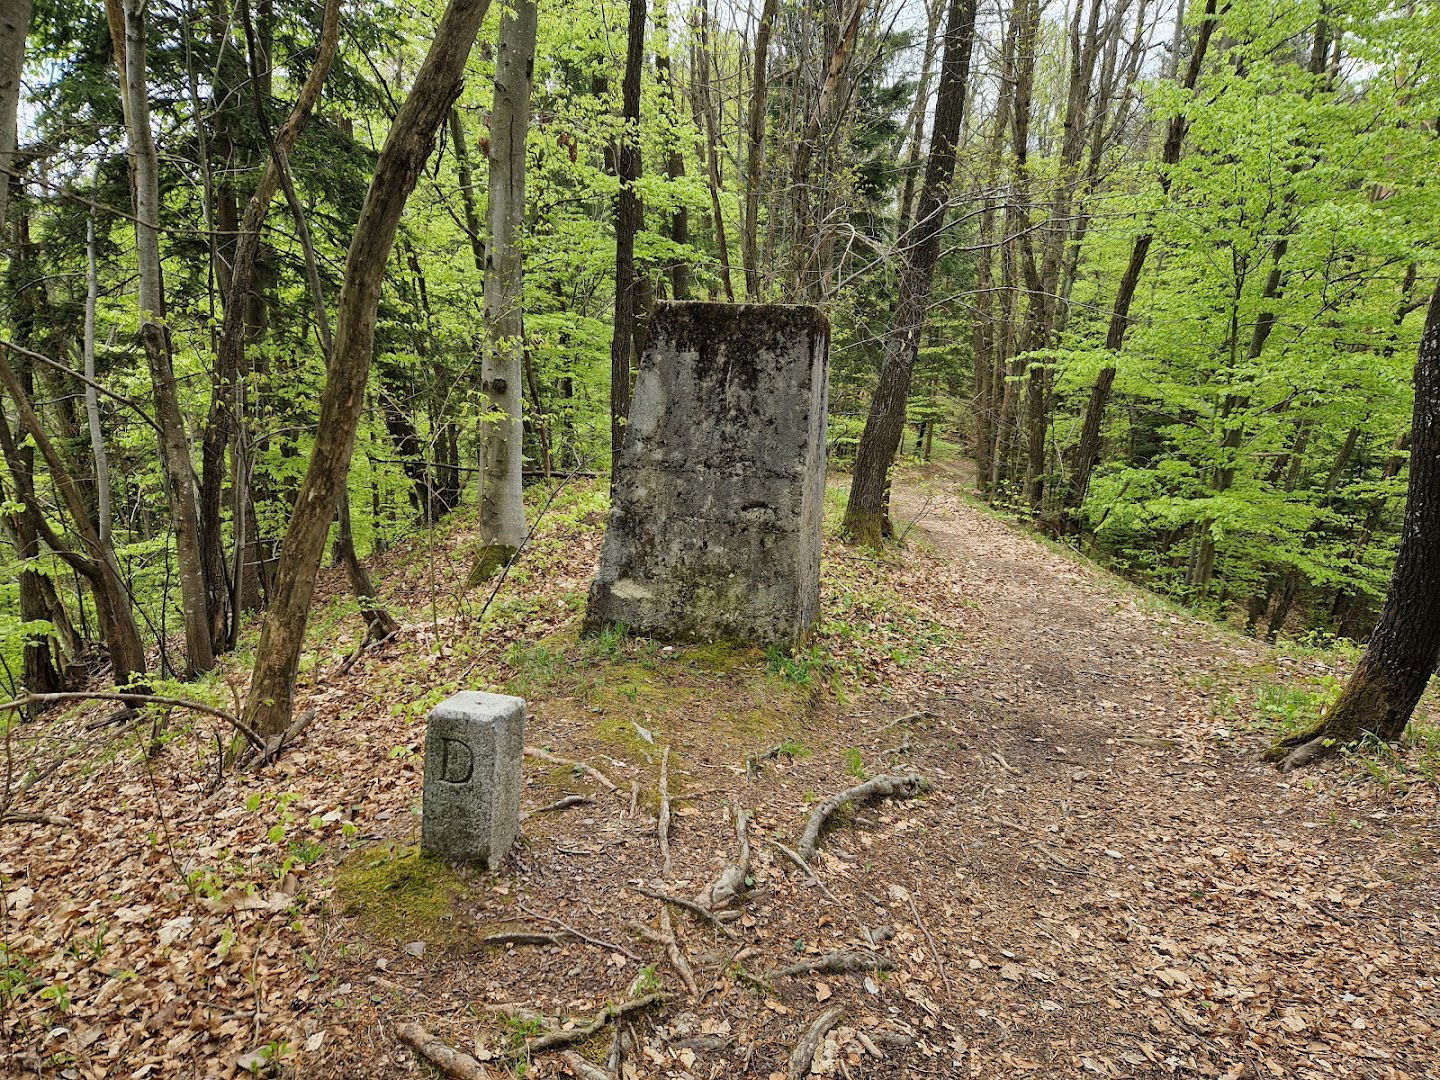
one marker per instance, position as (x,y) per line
(412,137)
(1381,695)
(867,513)
(502,506)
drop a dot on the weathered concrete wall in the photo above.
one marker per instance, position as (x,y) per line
(714,530)
(474,747)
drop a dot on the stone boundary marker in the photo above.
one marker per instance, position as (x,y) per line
(474,751)
(719,488)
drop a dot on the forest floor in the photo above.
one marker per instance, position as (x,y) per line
(1101,879)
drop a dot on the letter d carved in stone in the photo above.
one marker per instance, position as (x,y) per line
(474,746)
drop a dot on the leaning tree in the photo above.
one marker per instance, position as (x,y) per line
(1382,694)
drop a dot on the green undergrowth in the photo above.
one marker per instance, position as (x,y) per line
(1280,702)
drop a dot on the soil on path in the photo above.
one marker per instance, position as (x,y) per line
(1102,880)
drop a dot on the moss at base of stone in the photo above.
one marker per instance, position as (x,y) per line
(396,892)
(489,561)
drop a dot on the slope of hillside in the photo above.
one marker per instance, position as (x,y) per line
(1099,879)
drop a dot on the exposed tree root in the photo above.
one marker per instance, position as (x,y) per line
(804,1052)
(554,1039)
(835,963)
(730,885)
(37,819)
(567,803)
(879,787)
(278,744)
(589,770)
(689,905)
(584,1070)
(451,1062)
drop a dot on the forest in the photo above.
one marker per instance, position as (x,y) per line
(320,326)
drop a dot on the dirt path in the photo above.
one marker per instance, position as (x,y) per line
(1101,881)
(1133,894)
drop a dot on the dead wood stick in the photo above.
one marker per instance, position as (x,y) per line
(879,787)
(934,949)
(584,1070)
(35,819)
(835,963)
(566,803)
(804,1052)
(794,856)
(919,714)
(447,1059)
(589,770)
(136,699)
(577,934)
(552,1039)
(523,937)
(663,822)
(689,905)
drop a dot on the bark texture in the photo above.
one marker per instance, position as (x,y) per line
(411,140)
(867,514)
(1396,668)
(502,505)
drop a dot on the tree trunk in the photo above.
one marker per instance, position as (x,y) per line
(1396,668)
(408,146)
(867,513)
(629,220)
(502,504)
(155,335)
(227,406)
(1087,451)
(754,152)
(14,29)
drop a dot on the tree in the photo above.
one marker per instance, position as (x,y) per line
(1405,648)
(408,146)
(867,513)
(629,220)
(502,505)
(14,28)
(127,27)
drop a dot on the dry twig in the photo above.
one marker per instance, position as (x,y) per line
(589,770)
(689,905)
(577,934)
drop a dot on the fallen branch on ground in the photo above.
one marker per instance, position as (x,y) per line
(804,1052)
(551,1040)
(136,699)
(279,743)
(794,856)
(523,937)
(453,1063)
(731,883)
(568,802)
(689,905)
(663,820)
(598,943)
(835,963)
(879,787)
(35,819)
(589,770)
